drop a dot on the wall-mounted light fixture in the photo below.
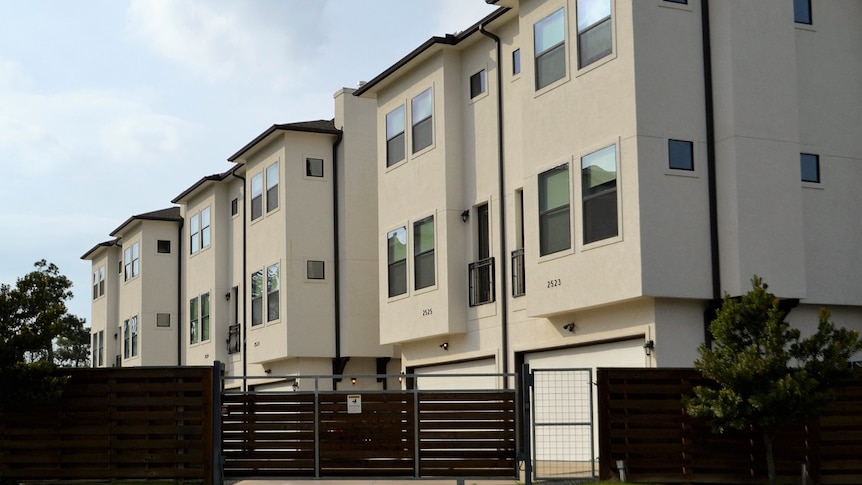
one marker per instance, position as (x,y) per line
(267,371)
(295,384)
(400,377)
(465,215)
(353,381)
(570,327)
(227,296)
(649,346)
(444,346)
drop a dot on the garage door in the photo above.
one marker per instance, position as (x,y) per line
(474,374)
(563,404)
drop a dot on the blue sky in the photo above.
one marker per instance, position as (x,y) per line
(110,108)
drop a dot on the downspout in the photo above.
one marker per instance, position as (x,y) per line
(180,294)
(709,313)
(339,365)
(244,333)
(504,295)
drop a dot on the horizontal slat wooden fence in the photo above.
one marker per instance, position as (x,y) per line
(642,420)
(113,424)
(460,434)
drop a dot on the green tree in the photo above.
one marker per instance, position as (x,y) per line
(767,375)
(37,333)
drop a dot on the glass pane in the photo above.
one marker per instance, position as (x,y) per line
(423,235)
(205,328)
(193,309)
(272,306)
(802,11)
(554,188)
(271,176)
(595,43)
(313,167)
(194,224)
(550,66)
(600,216)
(591,12)
(397,241)
(205,237)
(810,167)
(422,106)
(395,150)
(554,231)
(549,31)
(680,155)
(425,270)
(205,217)
(257,284)
(136,250)
(272,279)
(256,207)
(398,278)
(395,122)
(272,198)
(257,185)
(477,84)
(205,304)
(422,135)
(257,311)
(516,61)
(599,170)
(314,270)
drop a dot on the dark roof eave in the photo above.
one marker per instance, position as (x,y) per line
(171,214)
(105,244)
(448,40)
(300,127)
(217,177)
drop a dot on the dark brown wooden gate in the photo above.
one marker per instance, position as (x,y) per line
(415,434)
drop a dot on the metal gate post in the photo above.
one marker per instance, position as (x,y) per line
(217,441)
(527,385)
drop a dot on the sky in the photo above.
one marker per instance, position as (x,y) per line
(110,108)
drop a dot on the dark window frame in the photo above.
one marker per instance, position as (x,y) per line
(802,12)
(680,147)
(478,84)
(806,171)
(311,170)
(163,246)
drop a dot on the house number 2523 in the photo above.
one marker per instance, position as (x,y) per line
(554,283)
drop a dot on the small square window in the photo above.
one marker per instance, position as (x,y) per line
(315,270)
(516,61)
(163,246)
(163,319)
(477,84)
(680,155)
(802,11)
(810,167)
(684,2)
(234,207)
(314,167)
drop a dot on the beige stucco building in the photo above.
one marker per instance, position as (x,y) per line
(566,183)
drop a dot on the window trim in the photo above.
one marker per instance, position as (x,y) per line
(258,177)
(272,188)
(403,134)
(539,213)
(582,65)
(585,246)
(132,261)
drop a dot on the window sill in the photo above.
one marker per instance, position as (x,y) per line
(602,242)
(675,172)
(805,27)
(812,185)
(554,85)
(597,63)
(675,6)
(395,165)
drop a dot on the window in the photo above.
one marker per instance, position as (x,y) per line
(98,348)
(206,233)
(314,270)
(234,206)
(477,84)
(163,246)
(481,272)
(802,11)
(131,261)
(680,155)
(130,337)
(397,261)
(272,187)
(423,253)
(516,61)
(810,167)
(272,289)
(549,38)
(256,196)
(99,282)
(195,233)
(163,320)
(205,317)
(314,167)
(194,316)
(684,2)
(422,109)
(599,190)
(554,220)
(257,298)
(395,136)
(594,30)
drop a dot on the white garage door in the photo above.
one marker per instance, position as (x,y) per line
(471,375)
(565,401)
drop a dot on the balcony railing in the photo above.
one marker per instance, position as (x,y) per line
(519,287)
(481,282)
(233,339)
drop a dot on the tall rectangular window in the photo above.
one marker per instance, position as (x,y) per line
(396,261)
(554,218)
(256,196)
(234,206)
(99,282)
(195,233)
(194,320)
(206,233)
(810,165)
(802,11)
(422,110)
(477,84)
(599,190)
(272,187)
(101,348)
(395,136)
(131,261)
(205,317)
(423,253)
(594,30)
(516,61)
(133,323)
(127,340)
(273,285)
(257,298)
(680,155)
(549,41)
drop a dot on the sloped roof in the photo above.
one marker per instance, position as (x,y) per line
(316,126)
(216,177)
(105,244)
(171,214)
